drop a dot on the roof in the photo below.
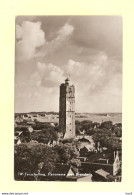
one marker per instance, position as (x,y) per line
(88,167)
(85,178)
(88,147)
(102,173)
(18,133)
(83,140)
(96,156)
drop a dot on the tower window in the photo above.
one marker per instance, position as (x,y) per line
(70,123)
(70,116)
(70,129)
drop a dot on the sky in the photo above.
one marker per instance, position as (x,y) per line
(87,49)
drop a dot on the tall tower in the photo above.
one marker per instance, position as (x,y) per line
(67,109)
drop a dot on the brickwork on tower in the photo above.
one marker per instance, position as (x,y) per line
(67,109)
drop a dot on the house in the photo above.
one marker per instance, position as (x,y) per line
(24,116)
(87,167)
(85,143)
(84,151)
(82,132)
(111,178)
(100,175)
(116,164)
(31,122)
(102,167)
(17,141)
(83,139)
(52,124)
(30,129)
(18,133)
(82,159)
(87,178)
(103,160)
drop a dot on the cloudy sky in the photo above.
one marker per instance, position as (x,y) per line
(50,48)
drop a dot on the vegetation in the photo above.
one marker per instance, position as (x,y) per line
(87,126)
(28,158)
(107,138)
(31,156)
(21,128)
(106,125)
(40,126)
(107,134)
(45,135)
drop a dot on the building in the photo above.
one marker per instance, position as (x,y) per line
(102,167)
(67,109)
(116,164)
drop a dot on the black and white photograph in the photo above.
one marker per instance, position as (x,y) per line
(68,98)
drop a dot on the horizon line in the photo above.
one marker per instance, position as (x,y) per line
(75,112)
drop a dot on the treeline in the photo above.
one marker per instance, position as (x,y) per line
(90,127)
(45,132)
(53,113)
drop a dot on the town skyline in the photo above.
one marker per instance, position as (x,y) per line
(49,48)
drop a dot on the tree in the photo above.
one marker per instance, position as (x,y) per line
(83,125)
(75,162)
(90,132)
(102,136)
(67,153)
(118,131)
(106,125)
(86,125)
(45,135)
(57,129)
(21,128)
(28,156)
(40,126)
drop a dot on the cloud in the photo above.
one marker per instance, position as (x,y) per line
(65,31)
(99,32)
(29,36)
(87,48)
(20,19)
(62,35)
(31,41)
(96,74)
(47,75)
(88,72)
(97,83)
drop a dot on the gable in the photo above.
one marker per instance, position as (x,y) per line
(70,173)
